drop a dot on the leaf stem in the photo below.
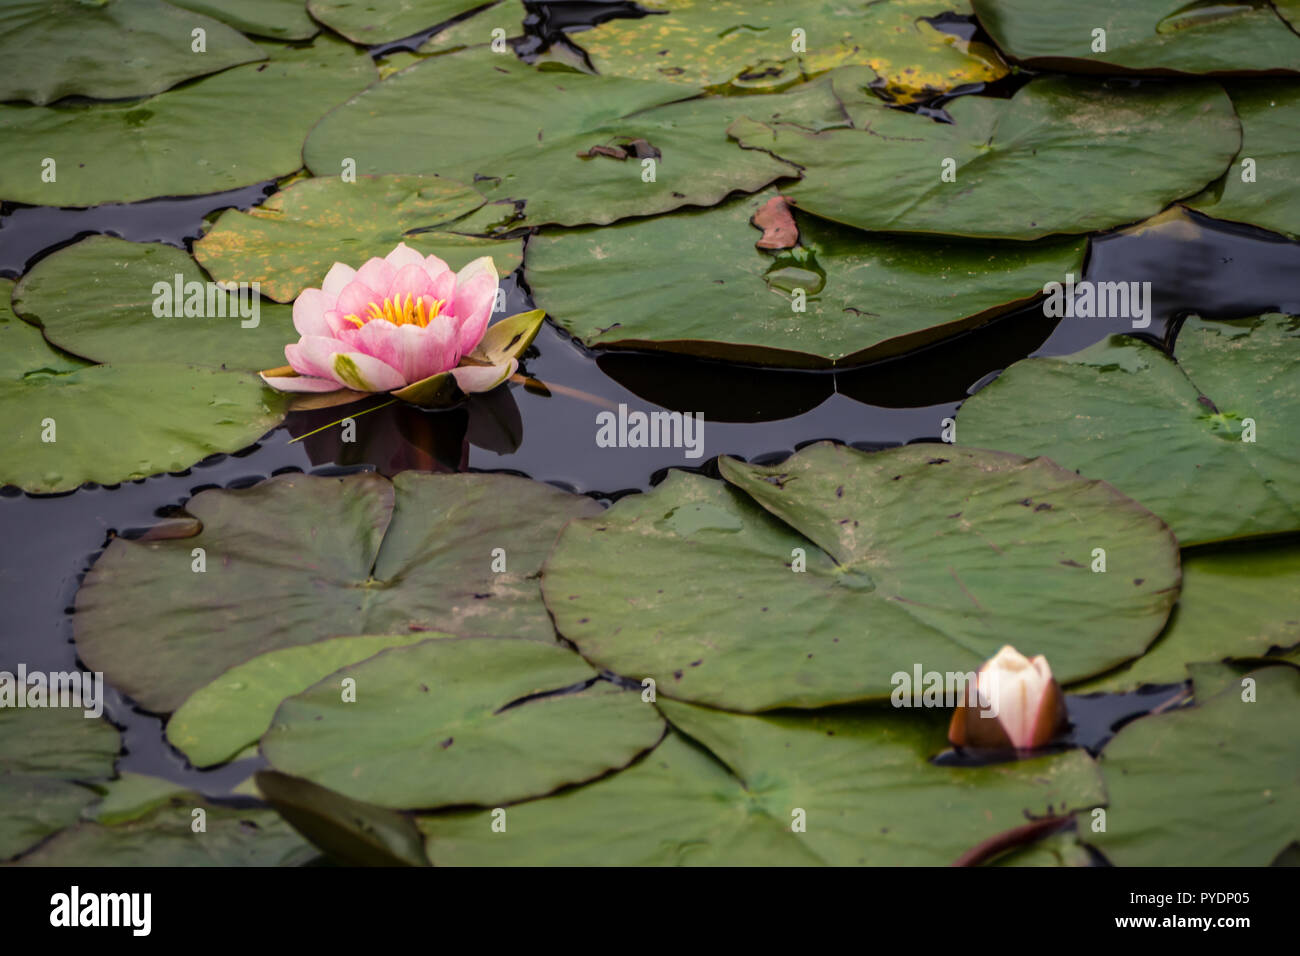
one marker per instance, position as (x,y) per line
(373,408)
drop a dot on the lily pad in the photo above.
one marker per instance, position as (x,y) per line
(1233,604)
(753,45)
(109,49)
(112,423)
(43,753)
(1211,785)
(348,831)
(299,558)
(365,22)
(97,299)
(276,19)
(165,836)
(461,721)
(1079,142)
(1149,36)
(1168,434)
(234,129)
(222,718)
(289,242)
(527,135)
(924,555)
(864,297)
(862,779)
(1270,118)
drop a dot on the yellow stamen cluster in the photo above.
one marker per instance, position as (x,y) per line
(410,312)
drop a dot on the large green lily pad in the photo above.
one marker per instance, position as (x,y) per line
(460,721)
(744,45)
(109,49)
(862,778)
(277,19)
(1212,785)
(1097,155)
(96,298)
(112,423)
(925,554)
(299,558)
(164,835)
(364,21)
(1233,604)
(1168,434)
(1150,36)
(220,719)
(516,132)
(43,753)
(1270,122)
(236,128)
(289,242)
(865,297)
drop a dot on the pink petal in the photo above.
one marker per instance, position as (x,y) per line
(314,355)
(354,299)
(300,383)
(365,373)
(481,378)
(337,279)
(473,308)
(377,274)
(435,266)
(412,281)
(483,265)
(404,256)
(336,323)
(309,312)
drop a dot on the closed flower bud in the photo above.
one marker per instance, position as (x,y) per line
(1019,705)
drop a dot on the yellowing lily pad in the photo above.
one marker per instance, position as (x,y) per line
(297,558)
(1176,436)
(109,49)
(745,45)
(289,242)
(818,581)
(237,128)
(481,721)
(840,298)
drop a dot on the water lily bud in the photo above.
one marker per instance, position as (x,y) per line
(1019,705)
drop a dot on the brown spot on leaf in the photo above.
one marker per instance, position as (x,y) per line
(779,229)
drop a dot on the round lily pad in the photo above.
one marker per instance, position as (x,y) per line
(277,19)
(1150,36)
(220,719)
(746,45)
(863,297)
(1235,603)
(100,298)
(1259,186)
(858,783)
(43,753)
(299,558)
(572,148)
(1210,785)
(923,556)
(1173,435)
(237,128)
(462,721)
(289,242)
(1079,142)
(109,49)
(364,21)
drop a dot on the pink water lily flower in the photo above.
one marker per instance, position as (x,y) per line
(391,323)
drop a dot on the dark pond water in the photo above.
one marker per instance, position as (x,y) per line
(753,413)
